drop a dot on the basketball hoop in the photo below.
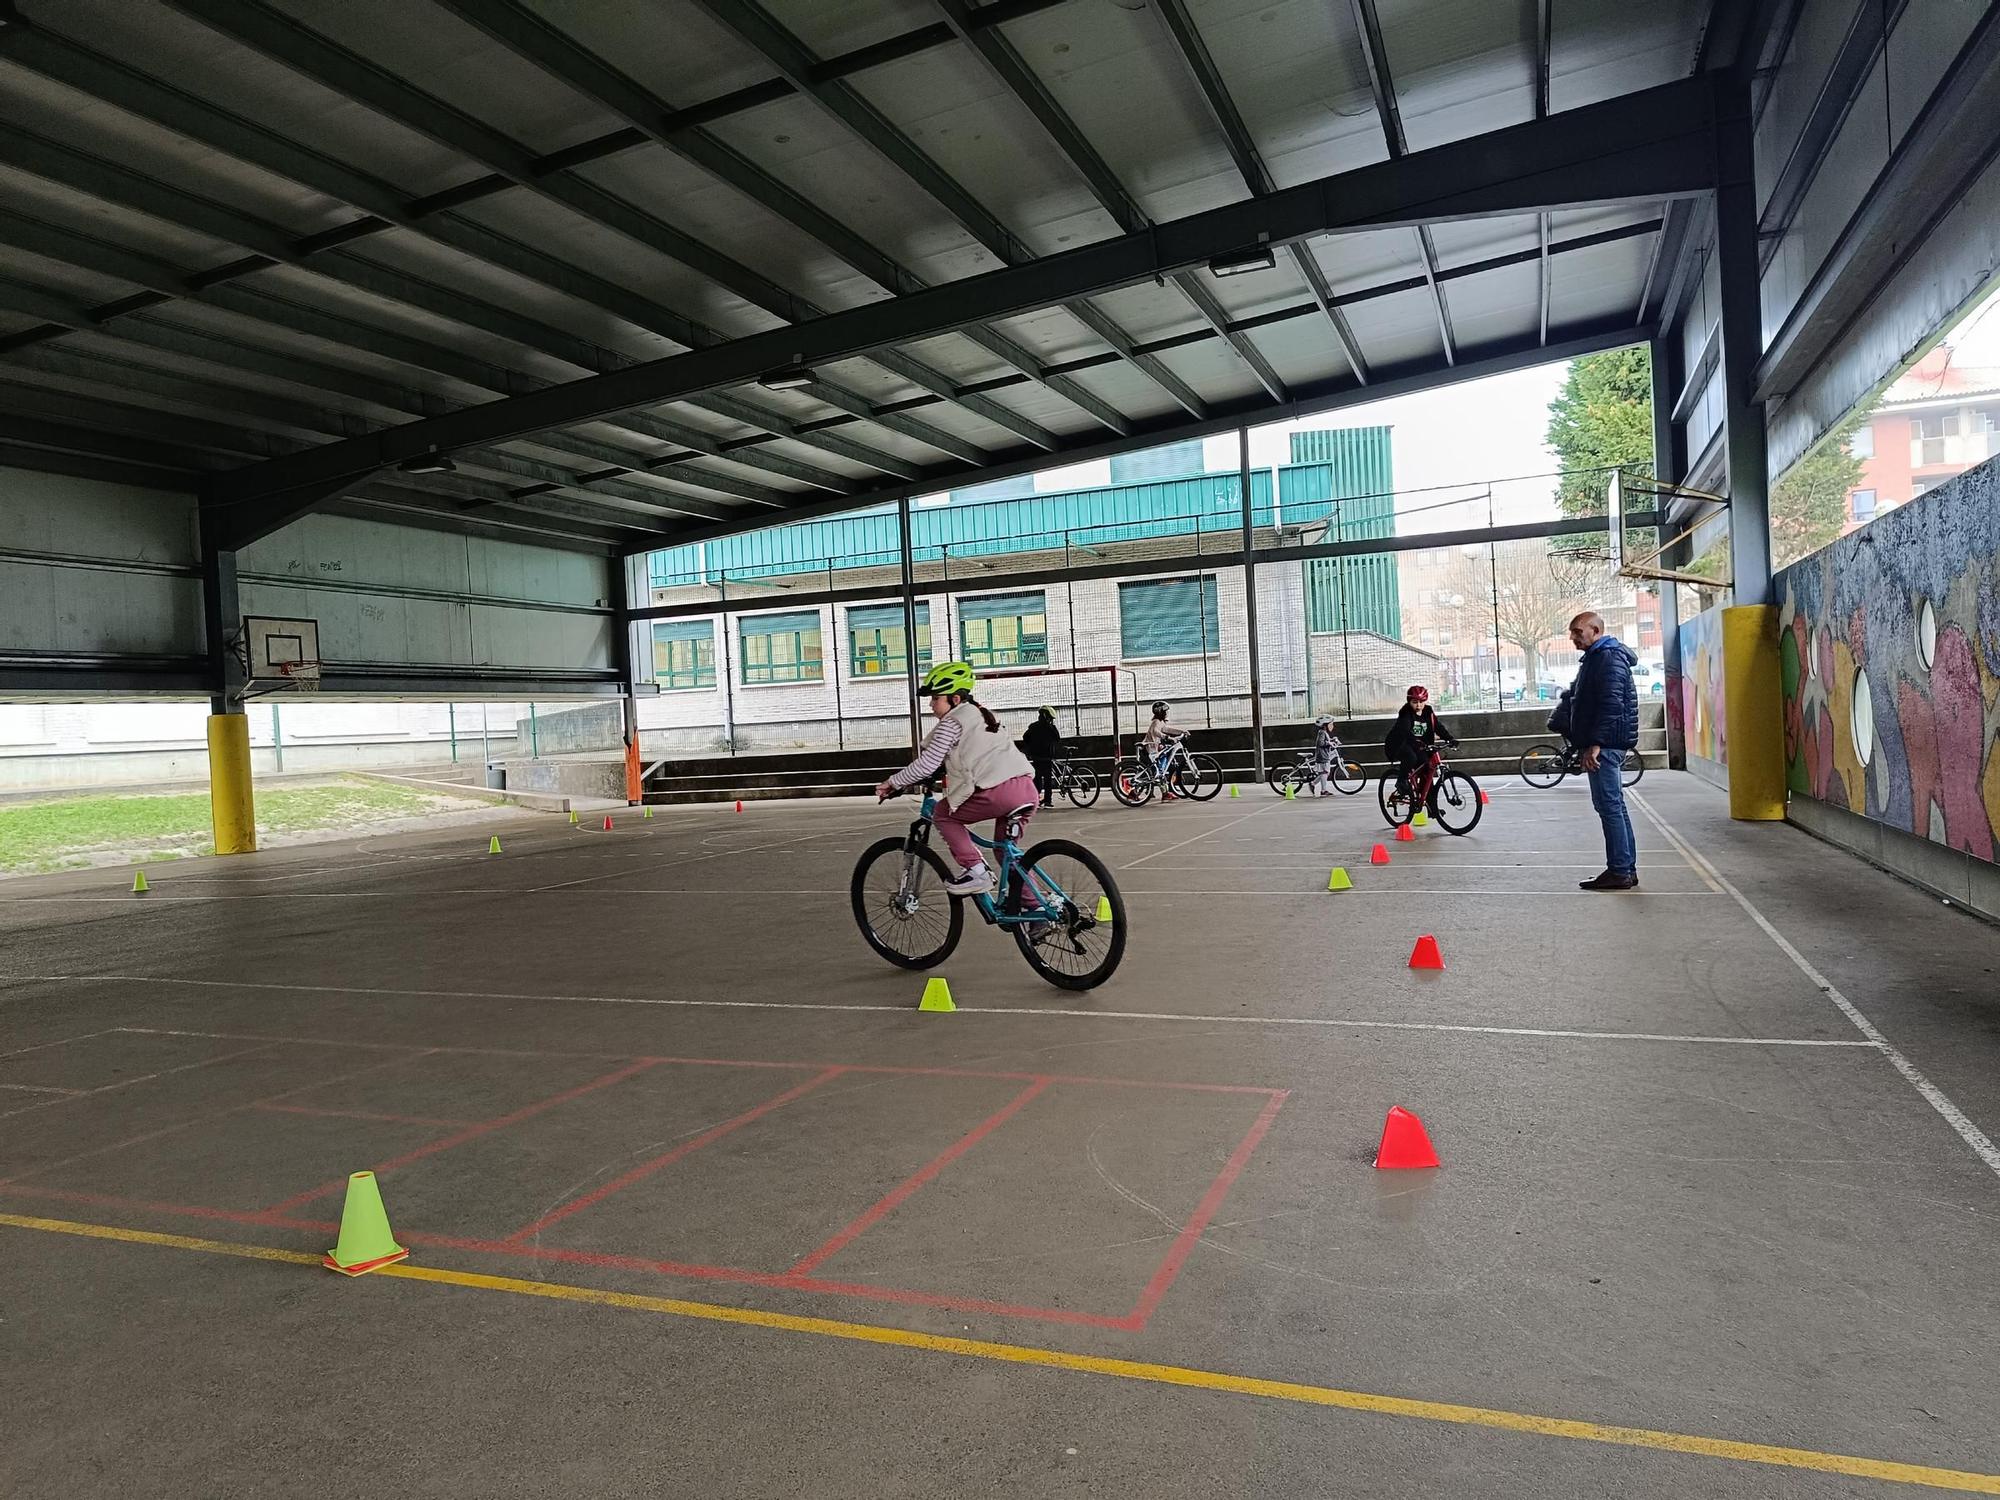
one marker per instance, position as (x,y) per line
(300,676)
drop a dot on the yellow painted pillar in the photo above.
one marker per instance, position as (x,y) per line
(1753,705)
(231,799)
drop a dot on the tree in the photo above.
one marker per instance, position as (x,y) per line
(1603,416)
(1535,590)
(1809,505)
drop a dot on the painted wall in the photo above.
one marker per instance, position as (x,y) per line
(1698,697)
(1891,651)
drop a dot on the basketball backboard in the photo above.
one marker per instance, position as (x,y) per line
(279,655)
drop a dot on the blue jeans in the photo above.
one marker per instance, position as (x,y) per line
(1607,795)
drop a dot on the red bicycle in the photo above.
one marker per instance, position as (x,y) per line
(1451,797)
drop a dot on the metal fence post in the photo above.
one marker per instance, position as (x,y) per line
(1250,606)
(909,617)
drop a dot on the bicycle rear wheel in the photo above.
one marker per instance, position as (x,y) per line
(914,927)
(1081,788)
(1347,778)
(1544,766)
(1210,784)
(1396,811)
(1455,805)
(1077,948)
(1131,784)
(1632,770)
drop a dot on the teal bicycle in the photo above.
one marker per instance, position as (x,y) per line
(1058,900)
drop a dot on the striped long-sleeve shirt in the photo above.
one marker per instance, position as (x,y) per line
(940,743)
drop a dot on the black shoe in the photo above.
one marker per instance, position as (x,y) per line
(1609,882)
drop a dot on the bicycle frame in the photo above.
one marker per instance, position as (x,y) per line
(1050,898)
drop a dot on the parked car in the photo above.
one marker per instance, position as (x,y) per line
(1650,677)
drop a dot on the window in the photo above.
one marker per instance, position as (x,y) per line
(1862,444)
(1927,435)
(1864,504)
(1005,630)
(1168,617)
(683,654)
(782,648)
(1918,487)
(875,640)
(1426,637)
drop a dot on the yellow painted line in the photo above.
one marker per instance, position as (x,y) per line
(1091,1364)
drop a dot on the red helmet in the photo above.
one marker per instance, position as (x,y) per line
(1419,693)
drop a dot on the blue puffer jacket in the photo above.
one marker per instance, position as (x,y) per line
(1605,710)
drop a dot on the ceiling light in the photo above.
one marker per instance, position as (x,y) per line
(1243,261)
(791,378)
(428,463)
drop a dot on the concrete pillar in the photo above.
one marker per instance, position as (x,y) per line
(231,795)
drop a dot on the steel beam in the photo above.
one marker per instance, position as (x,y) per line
(1742,342)
(1382,84)
(1647,146)
(1543,45)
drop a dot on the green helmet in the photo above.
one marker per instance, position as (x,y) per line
(949,677)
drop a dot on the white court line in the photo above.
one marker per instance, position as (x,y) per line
(126,1083)
(1953,1116)
(1198,837)
(154,899)
(38,1088)
(1680,845)
(1332,1022)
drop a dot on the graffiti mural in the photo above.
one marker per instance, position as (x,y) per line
(1703,721)
(1890,642)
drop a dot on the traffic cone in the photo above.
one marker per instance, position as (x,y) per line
(366,1243)
(646,813)
(607,823)
(1235,790)
(1104,908)
(1404,835)
(572,817)
(1405,1143)
(1290,792)
(1484,800)
(1338,880)
(937,996)
(494,847)
(1425,955)
(739,807)
(1379,855)
(1422,819)
(139,886)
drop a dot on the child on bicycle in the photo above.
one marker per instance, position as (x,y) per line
(986,775)
(1160,743)
(1325,748)
(1415,735)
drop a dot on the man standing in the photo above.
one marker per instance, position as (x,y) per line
(1604,725)
(1043,743)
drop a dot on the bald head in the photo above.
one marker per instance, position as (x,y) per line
(1585,629)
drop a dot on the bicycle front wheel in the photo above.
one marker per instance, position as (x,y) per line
(1632,770)
(901,907)
(1347,778)
(1544,766)
(1131,784)
(1455,804)
(1082,786)
(1396,810)
(1210,784)
(1081,941)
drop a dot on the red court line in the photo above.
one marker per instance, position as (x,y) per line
(738,1062)
(646,1169)
(1184,1242)
(266,1218)
(355,1114)
(898,1195)
(471,1132)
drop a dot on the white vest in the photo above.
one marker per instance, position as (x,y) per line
(982,757)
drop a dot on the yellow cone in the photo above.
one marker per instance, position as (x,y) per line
(366,1243)
(572,815)
(937,996)
(1235,790)
(1104,908)
(1422,819)
(139,886)
(646,812)
(494,847)
(1338,880)
(1290,791)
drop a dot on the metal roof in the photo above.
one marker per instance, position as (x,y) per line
(273,246)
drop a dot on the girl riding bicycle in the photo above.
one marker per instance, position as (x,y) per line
(986,774)
(1158,746)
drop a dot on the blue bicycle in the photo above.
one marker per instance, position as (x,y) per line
(1057,899)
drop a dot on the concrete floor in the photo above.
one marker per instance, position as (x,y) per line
(1681,1191)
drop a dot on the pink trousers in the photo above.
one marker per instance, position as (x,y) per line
(990,803)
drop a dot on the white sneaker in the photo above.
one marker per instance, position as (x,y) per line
(976,881)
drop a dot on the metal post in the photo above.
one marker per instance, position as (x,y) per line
(728,687)
(833,652)
(1250,607)
(231,790)
(1667,470)
(277,740)
(1201,614)
(534,734)
(1493,573)
(485,737)
(451,729)
(628,675)
(1736,253)
(1075,677)
(909,616)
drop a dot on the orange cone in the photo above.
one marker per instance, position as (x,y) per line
(1404,1142)
(1426,955)
(1484,800)
(607,825)
(1406,835)
(1379,855)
